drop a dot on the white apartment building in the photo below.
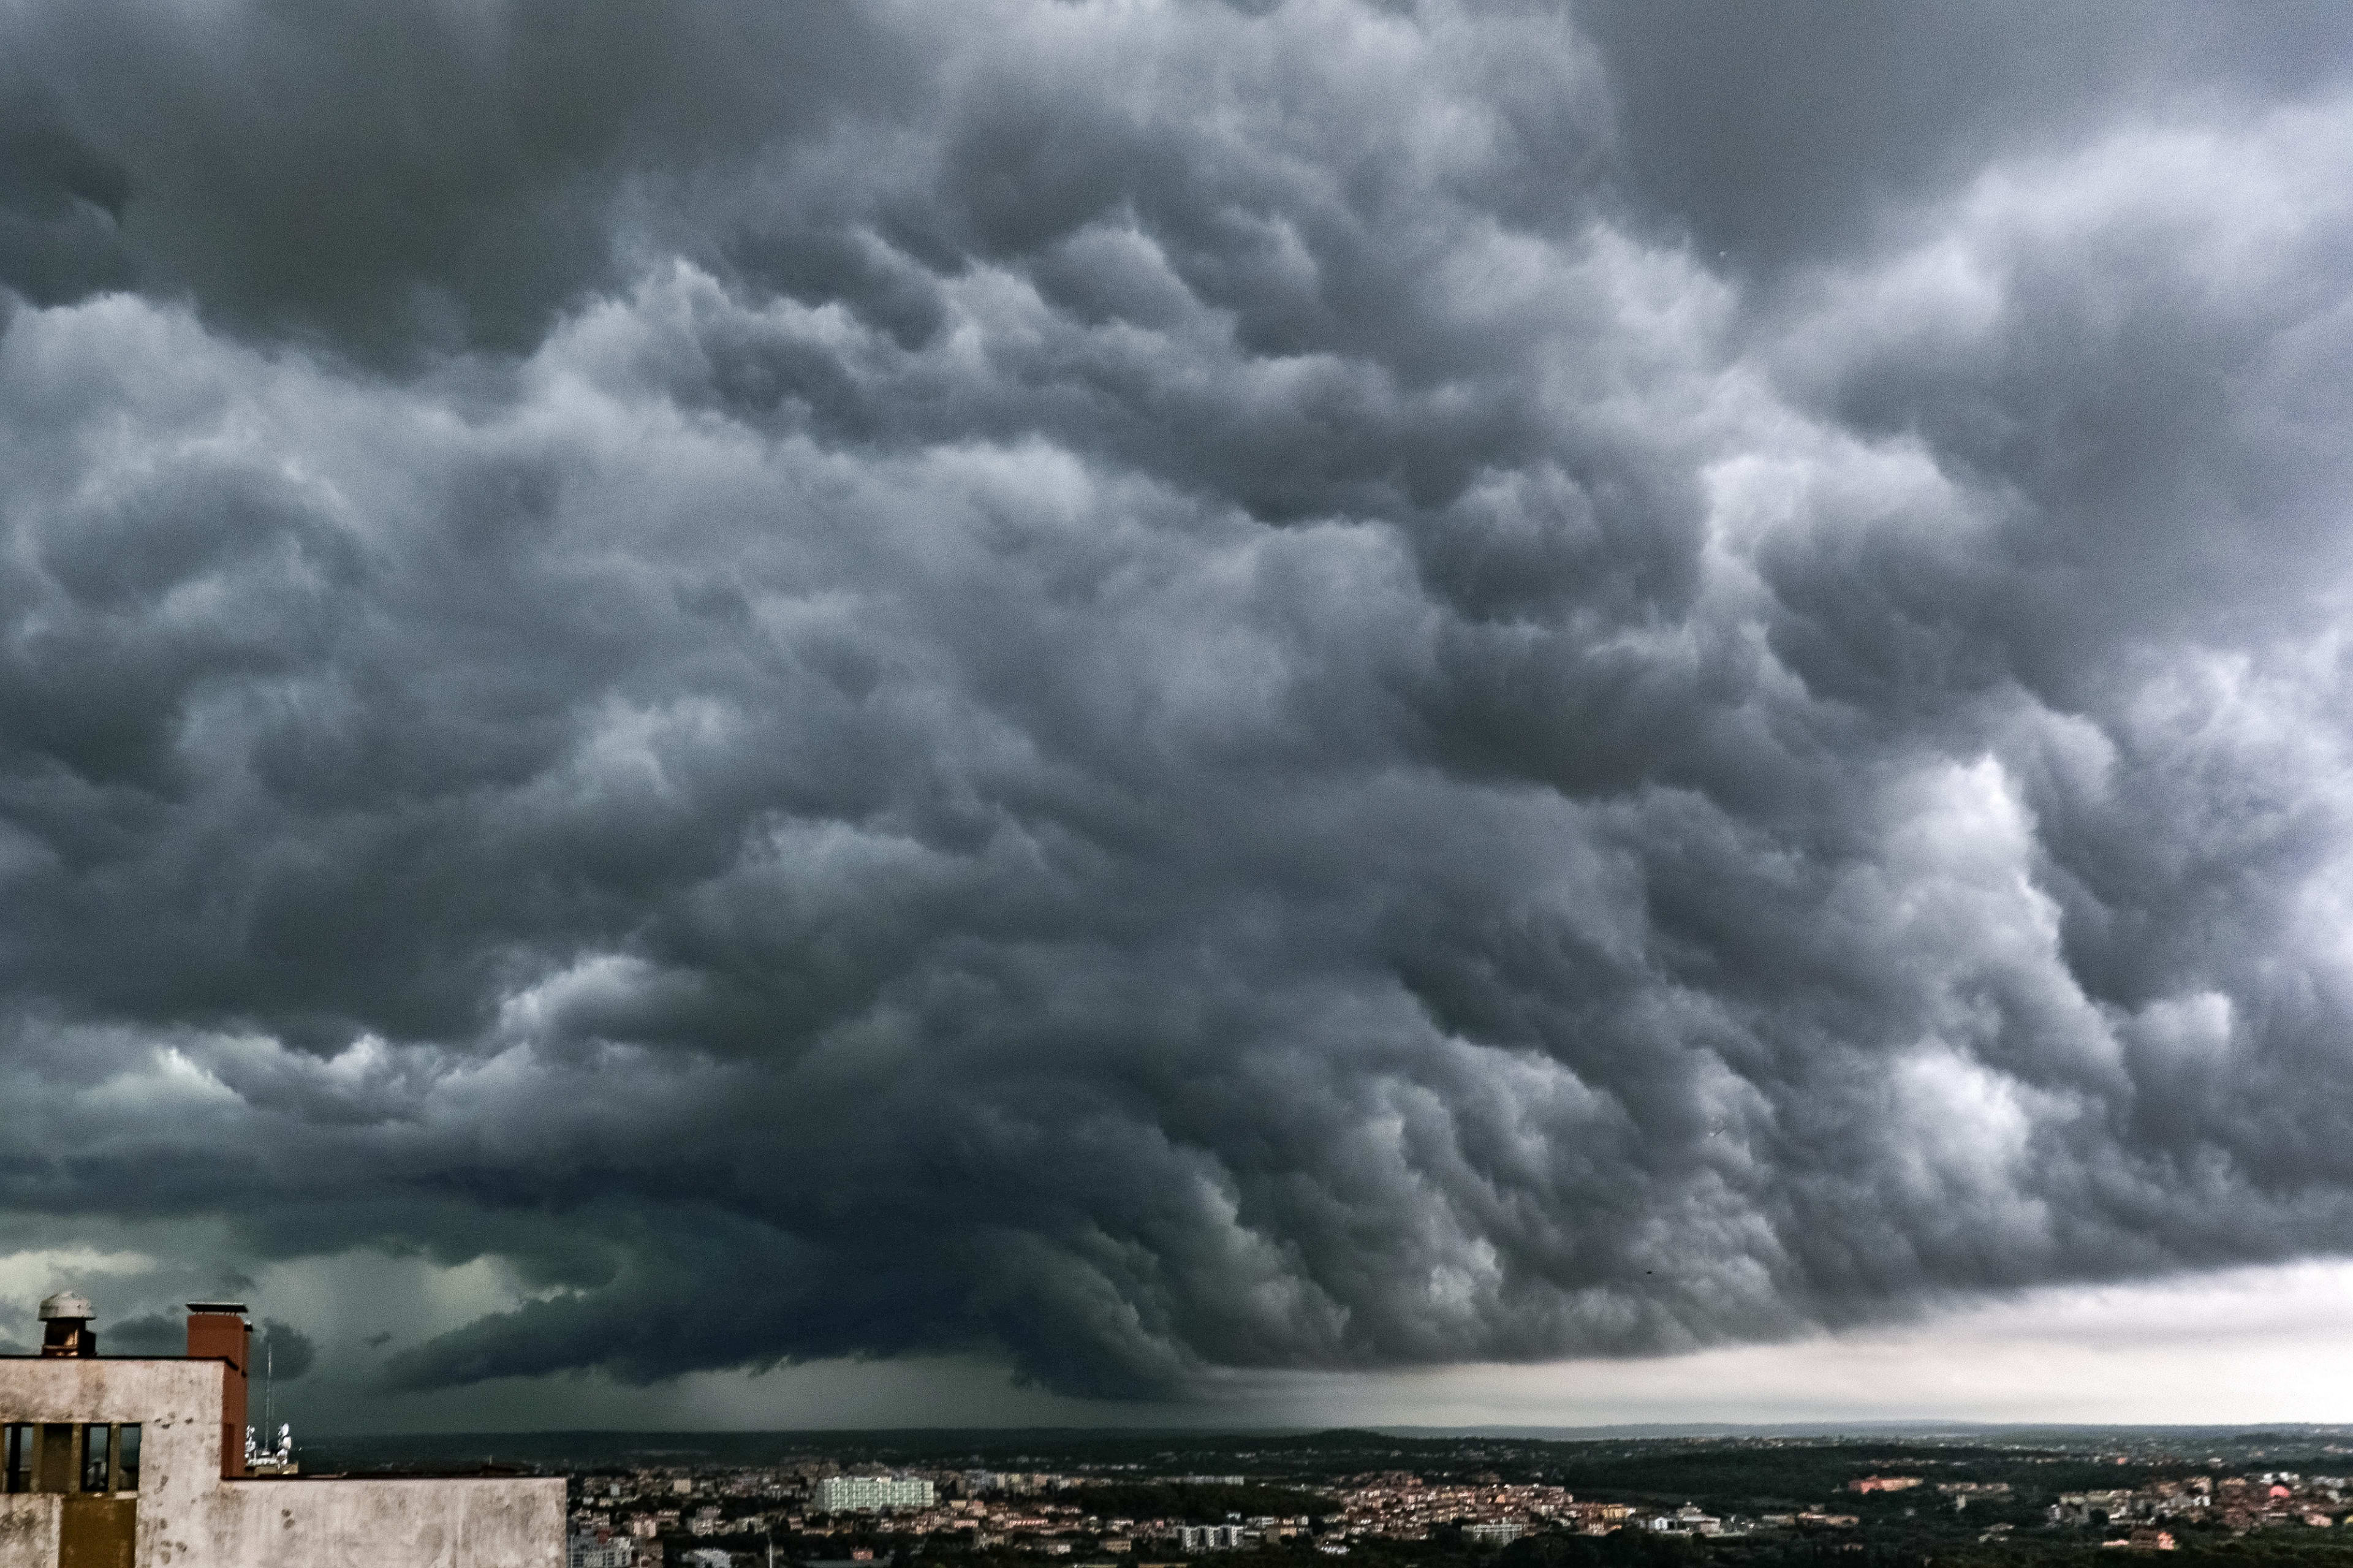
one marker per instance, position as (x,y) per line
(1210,1537)
(853,1494)
(588,1551)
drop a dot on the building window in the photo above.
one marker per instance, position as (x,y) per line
(97,1458)
(126,1457)
(16,1457)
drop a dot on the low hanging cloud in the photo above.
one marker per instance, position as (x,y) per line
(284,1352)
(1166,690)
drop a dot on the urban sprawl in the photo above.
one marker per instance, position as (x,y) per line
(824,1514)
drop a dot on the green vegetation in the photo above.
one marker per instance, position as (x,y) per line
(1632,1548)
(1194,1503)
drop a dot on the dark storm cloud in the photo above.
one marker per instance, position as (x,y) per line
(151,1334)
(1167,688)
(396,180)
(1780,133)
(285,1352)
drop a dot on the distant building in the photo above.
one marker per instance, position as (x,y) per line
(1495,1533)
(588,1551)
(2145,1540)
(1883,1484)
(1209,1537)
(1688,1520)
(137,1461)
(853,1494)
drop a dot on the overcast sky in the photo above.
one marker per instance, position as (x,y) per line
(766,713)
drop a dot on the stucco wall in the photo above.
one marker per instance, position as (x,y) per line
(320,1524)
(177,1405)
(28,1530)
(190,1518)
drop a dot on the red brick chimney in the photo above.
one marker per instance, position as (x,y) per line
(217,1331)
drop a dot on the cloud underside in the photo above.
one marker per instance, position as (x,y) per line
(1164,689)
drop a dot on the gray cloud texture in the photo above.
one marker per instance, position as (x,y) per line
(1169,689)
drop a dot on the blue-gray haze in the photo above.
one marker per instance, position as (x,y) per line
(1159,688)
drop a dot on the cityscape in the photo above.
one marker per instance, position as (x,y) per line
(114,1462)
(1102,1503)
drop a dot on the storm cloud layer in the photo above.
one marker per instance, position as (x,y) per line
(1167,688)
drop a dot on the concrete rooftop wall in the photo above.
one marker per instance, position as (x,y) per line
(190,1518)
(178,1407)
(387,1523)
(28,1530)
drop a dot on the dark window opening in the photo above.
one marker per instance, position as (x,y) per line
(16,1457)
(126,1457)
(97,1458)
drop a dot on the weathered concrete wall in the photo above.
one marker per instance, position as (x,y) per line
(28,1530)
(320,1523)
(190,1518)
(177,1405)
